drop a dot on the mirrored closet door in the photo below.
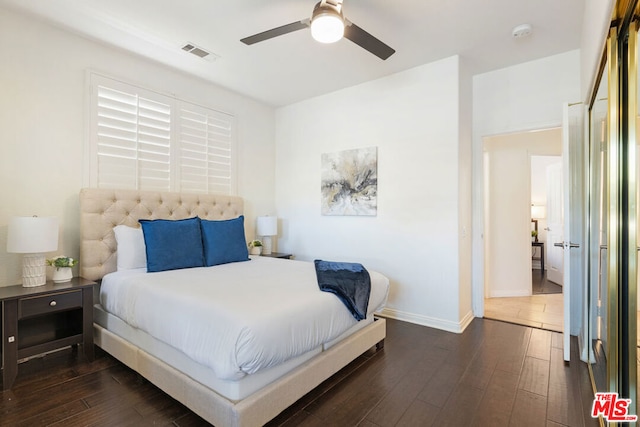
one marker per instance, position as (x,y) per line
(613,216)
(598,220)
(631,295)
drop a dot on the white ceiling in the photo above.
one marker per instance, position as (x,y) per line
(294,67)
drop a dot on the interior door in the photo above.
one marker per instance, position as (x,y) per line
(573,159)
(555,224)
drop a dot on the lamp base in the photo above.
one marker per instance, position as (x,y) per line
(34,270)
(266,245)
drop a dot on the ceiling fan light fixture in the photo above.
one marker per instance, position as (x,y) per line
(327,24)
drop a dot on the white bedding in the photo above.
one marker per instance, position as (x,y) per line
(235,318)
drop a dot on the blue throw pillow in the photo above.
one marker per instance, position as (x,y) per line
(171,245)
(224,241)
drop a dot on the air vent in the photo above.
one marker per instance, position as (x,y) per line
(199,52)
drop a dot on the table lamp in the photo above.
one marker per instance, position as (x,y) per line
(267,227)
(32,236)
(538,211)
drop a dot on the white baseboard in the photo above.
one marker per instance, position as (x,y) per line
(510,293)
(432,322)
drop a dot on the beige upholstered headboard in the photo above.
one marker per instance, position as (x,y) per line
(103,209)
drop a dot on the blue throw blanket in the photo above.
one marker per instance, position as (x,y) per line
(348,281)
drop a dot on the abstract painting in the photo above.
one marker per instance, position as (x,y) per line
(350,182)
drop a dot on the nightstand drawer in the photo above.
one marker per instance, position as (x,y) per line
(49,303)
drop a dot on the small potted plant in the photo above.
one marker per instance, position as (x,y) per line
(534,235)
(62,265)
(255,247)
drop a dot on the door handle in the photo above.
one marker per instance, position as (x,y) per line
(564,245)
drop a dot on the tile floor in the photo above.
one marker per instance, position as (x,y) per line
(539,311)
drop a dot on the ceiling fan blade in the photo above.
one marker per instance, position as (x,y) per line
(367,41)
(275,32)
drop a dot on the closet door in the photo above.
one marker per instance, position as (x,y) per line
(629,294)
(614,173)
(598,283)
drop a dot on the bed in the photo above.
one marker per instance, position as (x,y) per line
(236,387)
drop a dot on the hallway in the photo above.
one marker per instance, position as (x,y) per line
(542,310)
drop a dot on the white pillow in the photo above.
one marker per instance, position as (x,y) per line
(132,252)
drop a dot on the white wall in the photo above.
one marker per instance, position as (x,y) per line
(595,27)
(518,98)
(465,188)
(42,116)
(508,209)
(413,118)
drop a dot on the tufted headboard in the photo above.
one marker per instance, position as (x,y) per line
(103,209)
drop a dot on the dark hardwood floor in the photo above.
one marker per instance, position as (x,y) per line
(494,374)
(541,285)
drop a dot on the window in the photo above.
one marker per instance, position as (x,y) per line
(140,139)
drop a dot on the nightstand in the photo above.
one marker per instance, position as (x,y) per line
(44,318)
(278,255)
(541,246)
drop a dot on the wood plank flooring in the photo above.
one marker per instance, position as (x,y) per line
(493,374)
(541,285)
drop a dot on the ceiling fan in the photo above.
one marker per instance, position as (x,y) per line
(328,25)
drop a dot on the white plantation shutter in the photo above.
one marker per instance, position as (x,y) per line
(133,141)
(144,140)
(206,147)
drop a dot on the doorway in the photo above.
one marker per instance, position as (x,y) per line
(509,193)
(546,197)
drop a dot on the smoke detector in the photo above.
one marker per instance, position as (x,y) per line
(521,31)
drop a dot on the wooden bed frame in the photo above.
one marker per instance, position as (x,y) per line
(103,209)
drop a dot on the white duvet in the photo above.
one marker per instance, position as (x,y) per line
(235,318)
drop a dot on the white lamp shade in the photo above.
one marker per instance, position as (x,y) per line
(538,212)
(267,226)
(32,234)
